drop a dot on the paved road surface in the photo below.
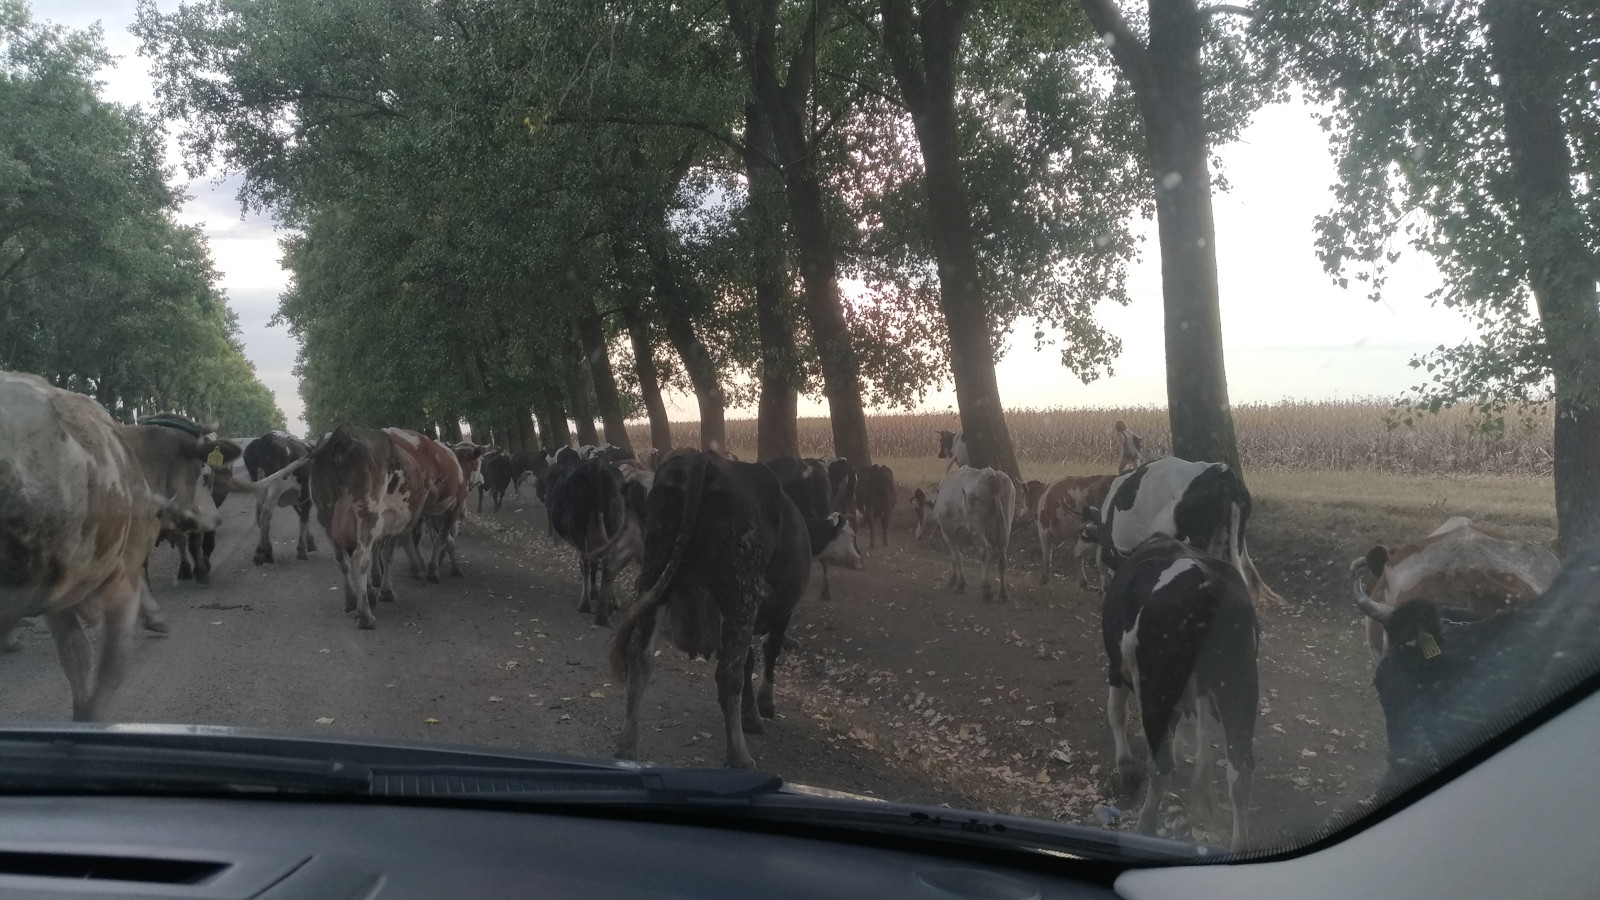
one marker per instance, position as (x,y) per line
(499,658)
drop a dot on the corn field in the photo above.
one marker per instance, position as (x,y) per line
(1282,436)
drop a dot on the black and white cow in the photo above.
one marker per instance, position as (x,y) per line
(600,512)
(268,454)
(727,557)
(1180,633)
(952,446)
(1451,678)
(806,482)
(1205,505)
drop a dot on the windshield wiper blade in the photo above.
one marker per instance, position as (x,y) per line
(66,765)
(622,786)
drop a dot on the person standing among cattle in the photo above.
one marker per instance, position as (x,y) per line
(1132,448)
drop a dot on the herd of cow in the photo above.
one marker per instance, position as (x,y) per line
(1469,628)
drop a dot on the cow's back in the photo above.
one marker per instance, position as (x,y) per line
(1468,567)
(74,509)
(1174,497)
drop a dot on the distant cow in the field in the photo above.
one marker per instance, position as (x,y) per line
(1447,683)
(1059,515)
(267,454)
(727,557)
(1180,632)
(444,487)
(974,508)
(599,512)
(952,446)
(1205,505)
(876,494)
(1132,448)
(368,494)
(1459,565)
(82,499)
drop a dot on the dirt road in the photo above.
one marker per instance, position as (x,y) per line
(898,689)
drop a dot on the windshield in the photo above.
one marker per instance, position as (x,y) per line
(1161,417)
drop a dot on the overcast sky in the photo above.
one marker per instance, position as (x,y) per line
(1289,332)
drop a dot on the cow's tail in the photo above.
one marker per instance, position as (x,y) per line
(1259,589)
(652,597)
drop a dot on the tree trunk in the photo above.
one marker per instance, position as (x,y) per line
(927,80)
(777,423)
(572,371)
(782,104)
(644,365)
(554,428)
(1197,380)
(591,333)
(522,423)
(450,428)
(702,376)
(1560,267)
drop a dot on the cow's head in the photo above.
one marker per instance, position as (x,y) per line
(1089,525)
(922,510)
(181,471)
(947,443)
(471,458)
(840,548)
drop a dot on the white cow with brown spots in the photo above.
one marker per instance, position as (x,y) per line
(82,500)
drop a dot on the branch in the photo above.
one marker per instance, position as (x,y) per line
(1230,9)
(1132,57)
(723,138)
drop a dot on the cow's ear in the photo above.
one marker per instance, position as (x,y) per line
(1377,558)
(834,519)
(216,453)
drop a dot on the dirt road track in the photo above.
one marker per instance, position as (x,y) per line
(499,658)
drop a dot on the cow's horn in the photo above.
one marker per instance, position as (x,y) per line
(1375,610)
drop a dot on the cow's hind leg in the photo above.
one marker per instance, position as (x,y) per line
(199,549)
(121,608)
(827,593)
(1129,769)
(749,718)
(1237,710)
(640,654)
(77,660)
(263,552)
(185,565)
(305,543)
(586,572)
(1202,793)
(154,619)
(747,591)
(358,588)
(1158,703)
(769,664)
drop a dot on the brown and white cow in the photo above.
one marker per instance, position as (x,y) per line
(1460,565)
(444,501)
(368,495)
(82,499)
(1059,515)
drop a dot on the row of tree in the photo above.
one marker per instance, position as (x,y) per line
(100,290)
(551,210)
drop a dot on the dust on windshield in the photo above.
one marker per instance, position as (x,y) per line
(1169,417)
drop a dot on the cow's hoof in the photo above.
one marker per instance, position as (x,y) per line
(741,762)
(433,578)
(349,605)
(12,643)
(827,596)
(752,723)
(584,606)
(368,623)
(261,557)
(311,543)
(202,578)
(1130,776)
(300,553)
(157,624)
(1045,578)
(766,707)
(455,572)
(386,596)
(185,573)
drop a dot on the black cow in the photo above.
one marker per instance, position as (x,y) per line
(265,455)
(497,477)
(727,556)
(1205,505)
(525,463)
(1179,628)
(806,482)
(1450,678)
(593,507)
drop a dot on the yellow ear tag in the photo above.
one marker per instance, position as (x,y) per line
(1430,647)
(215,459)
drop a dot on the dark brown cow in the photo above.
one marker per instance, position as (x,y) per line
(81,502)
(1460,565)
(875,490)
(368,495)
